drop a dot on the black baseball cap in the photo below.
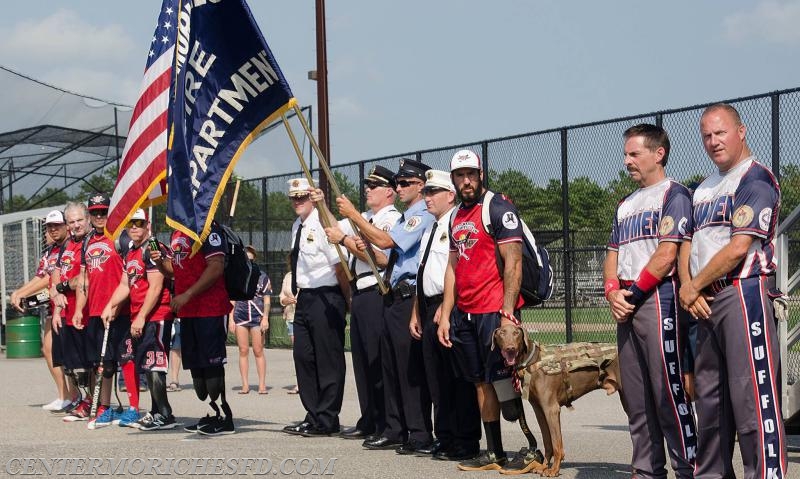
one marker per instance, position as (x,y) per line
(99,201)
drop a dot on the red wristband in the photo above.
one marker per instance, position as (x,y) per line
(610,285)
(647,282)
(510,317)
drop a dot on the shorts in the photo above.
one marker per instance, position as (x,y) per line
(471,335)
(150,352)
(290,328)
(72,351)
(115,346)
(203,342)
(175,345)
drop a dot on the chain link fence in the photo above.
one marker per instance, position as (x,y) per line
(566,183)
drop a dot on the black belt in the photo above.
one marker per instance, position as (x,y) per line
(368,289)
(322,289)
(717,286)
(435,299)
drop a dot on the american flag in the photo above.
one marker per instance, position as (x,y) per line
(144,160)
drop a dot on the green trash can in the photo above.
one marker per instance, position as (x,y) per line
(23,337)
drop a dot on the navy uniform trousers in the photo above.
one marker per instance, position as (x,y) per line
(366,331)
(457,418)
(408,403)
(319,323)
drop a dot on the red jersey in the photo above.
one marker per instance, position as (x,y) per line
(70,267)
(479,286)
(211,302)
(47,263)
(137,269)
(104,268)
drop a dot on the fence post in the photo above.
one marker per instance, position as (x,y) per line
(776,136)
(264,217)
(485,165)
(567,260)
(362,196)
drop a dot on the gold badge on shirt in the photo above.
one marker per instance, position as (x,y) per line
(742,216)
(443,238)
(667,223)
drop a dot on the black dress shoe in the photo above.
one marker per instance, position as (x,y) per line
(298,429)
(370,438)
(320,432)
(353,433)
(383,443)
(412,447)
(456,453)
(430,449)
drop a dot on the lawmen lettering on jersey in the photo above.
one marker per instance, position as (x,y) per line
(713,213)
(250,80)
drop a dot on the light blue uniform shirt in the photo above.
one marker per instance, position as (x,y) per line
(407,235)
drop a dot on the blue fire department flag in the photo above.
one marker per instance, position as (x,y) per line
(228,88)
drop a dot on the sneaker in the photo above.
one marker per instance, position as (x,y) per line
(524,462)
(56,404)
(488,461)
(144,421)
(158,422)
(93,421)
(202,422)
(80,413)
(217,427)
(68,408)
(129,418)
(108,416)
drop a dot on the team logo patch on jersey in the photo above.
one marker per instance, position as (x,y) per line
(742,216)
(96,255)
(412,223)
(180,250)
(134,271)
(510,221)
(214,239)
(764,218)
(462,236)
(666,226)
(682,226)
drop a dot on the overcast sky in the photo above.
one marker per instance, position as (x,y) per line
(411,75)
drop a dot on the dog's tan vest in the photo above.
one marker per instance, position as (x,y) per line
(561,359)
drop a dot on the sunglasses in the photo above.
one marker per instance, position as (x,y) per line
(300,199)
(372,185)
(137,223)
(406,184)
(99,213)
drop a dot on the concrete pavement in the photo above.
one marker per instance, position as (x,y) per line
(596,437)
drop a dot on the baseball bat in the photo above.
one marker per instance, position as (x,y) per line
(99,376)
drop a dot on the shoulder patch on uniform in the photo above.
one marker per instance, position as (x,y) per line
(682,226)
(742,216)
(666,226)
(764,218)
(214,239)
(510,221)
(412,223)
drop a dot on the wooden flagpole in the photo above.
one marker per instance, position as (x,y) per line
(324,217)
(323,163)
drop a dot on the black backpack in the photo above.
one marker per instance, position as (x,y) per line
(537,274)
(241,274)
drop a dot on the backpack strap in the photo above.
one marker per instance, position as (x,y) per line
(485,213)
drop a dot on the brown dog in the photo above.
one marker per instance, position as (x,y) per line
(548,389)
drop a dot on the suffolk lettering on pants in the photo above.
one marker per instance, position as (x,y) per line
(656,402)
(737,382)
